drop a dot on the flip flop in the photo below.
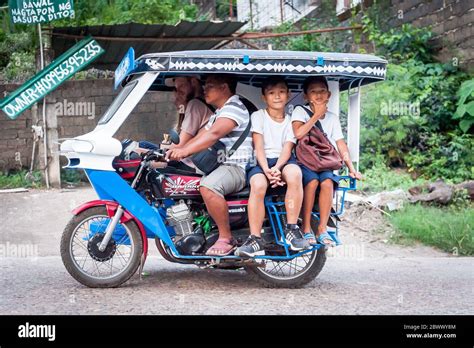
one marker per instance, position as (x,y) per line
(222,247)
(309,236)
(326,237)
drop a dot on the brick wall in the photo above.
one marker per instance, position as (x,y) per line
(153,116)
(451,22)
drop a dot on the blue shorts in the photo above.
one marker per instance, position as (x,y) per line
(271,162)
(309,175)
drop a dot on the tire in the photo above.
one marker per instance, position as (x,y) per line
(69,242)
(317,260)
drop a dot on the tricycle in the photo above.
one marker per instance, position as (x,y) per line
(106,241)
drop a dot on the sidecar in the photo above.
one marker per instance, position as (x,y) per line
(123,220)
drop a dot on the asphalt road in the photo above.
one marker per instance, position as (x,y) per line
(365,276)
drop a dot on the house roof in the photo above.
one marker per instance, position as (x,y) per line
(145,38)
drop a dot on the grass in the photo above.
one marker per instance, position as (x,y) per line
(449,229)
(381,178)
(19,179)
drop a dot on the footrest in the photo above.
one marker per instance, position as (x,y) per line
(335,237)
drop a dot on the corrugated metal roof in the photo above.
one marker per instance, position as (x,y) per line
(115,50)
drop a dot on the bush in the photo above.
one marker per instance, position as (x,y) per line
(20,179)
(379,177)
(21,67)
(409,120)
(465,105)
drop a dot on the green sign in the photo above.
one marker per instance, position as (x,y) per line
(48,79)
(40,11)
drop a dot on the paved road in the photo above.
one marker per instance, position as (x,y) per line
(366,276)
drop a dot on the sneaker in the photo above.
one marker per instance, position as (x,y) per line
(253,246)
(294,237)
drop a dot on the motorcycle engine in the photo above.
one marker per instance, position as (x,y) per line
(187,241)
(180,217)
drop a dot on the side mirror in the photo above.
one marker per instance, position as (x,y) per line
(174,136)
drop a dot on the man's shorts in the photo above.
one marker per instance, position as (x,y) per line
(309,175)
(226,179)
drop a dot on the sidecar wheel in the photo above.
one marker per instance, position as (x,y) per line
(90,266)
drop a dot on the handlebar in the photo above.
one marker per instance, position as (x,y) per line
(154,155)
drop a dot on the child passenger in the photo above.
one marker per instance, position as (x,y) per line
(316,93)
(273,141)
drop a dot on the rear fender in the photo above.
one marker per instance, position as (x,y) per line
(111,207)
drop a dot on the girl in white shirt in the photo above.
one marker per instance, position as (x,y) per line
(273,141)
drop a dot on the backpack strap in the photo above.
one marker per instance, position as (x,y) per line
(310,114)
(241,139)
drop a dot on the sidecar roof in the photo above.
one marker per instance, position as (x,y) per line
(252,66)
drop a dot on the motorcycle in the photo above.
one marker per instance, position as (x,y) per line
(106,241)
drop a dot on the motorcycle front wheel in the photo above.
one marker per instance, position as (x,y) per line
(94,268)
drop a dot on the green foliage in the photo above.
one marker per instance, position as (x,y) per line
(450,229)
(465,105)
(73,176)
(379,177)
(20,179)
(14,42)
(21,67)
(17,60)
(445,156)
(400,44)
(104,12)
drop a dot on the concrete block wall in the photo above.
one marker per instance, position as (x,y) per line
(72,102)
(451,22)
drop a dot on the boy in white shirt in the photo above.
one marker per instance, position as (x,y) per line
(273,141)
(317,94)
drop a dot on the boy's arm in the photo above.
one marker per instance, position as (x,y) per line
(260,151)
(300,129)
(344,151)
(285,154)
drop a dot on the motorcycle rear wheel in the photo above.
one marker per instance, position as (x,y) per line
(95,269)
(292,274)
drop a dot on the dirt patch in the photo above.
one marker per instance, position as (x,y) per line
(369,226)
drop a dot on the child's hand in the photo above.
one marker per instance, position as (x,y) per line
(319,109)
(269,174)
(355,175)
(277,183)
(276,172)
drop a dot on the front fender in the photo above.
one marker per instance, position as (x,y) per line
(111,207)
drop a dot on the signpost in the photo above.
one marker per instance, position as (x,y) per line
(40,11)
(62,68)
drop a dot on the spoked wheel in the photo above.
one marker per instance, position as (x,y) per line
(293,273)
(90,266)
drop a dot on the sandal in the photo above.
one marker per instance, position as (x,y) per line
(222,247)
(326,240)
(309,236)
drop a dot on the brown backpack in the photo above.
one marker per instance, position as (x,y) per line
(316,152)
